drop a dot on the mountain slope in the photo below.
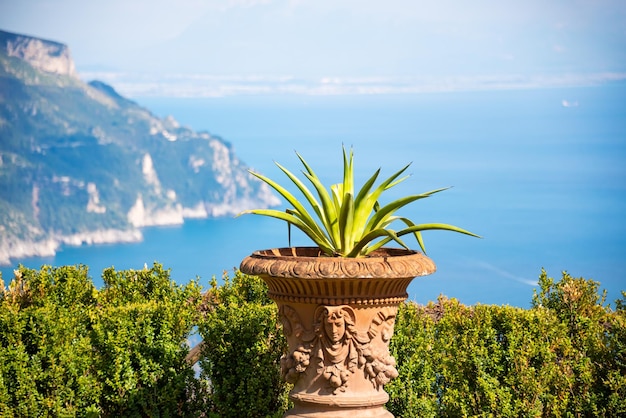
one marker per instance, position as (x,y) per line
(81,164)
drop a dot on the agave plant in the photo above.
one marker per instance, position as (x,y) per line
(346,224)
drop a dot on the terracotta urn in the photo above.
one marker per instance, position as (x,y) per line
(338,315)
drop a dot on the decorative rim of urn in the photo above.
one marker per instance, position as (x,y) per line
(305,275)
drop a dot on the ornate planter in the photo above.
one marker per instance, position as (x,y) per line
(338,316)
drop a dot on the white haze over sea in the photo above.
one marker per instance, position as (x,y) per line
(198,85)
(538,172)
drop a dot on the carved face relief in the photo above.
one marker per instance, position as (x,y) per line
(335,327)
(334,323)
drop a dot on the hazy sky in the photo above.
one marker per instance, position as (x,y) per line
(335,41)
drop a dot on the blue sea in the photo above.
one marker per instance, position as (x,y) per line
(539,174)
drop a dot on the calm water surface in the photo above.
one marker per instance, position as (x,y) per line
(544,184)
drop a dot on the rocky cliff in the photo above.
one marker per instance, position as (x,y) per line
(80,164)
(49,56)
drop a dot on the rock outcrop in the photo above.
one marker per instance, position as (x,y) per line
(48,56)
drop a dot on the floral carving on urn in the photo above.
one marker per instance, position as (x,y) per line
(337,349)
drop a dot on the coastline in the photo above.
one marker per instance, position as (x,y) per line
(12,248)
(48,247)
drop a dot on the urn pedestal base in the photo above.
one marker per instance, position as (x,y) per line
(338,316)
(325,411)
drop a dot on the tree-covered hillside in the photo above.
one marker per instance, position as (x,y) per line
(80,163)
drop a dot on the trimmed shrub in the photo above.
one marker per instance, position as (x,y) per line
(67,349)
(139,332)
(243,343)
(45,349)
(563,357)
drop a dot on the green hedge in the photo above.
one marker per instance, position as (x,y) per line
(566,356)
(243,343)
(68,349)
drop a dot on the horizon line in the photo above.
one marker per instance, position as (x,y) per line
(205,85)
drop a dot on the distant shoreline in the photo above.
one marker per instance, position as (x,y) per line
(49,246)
